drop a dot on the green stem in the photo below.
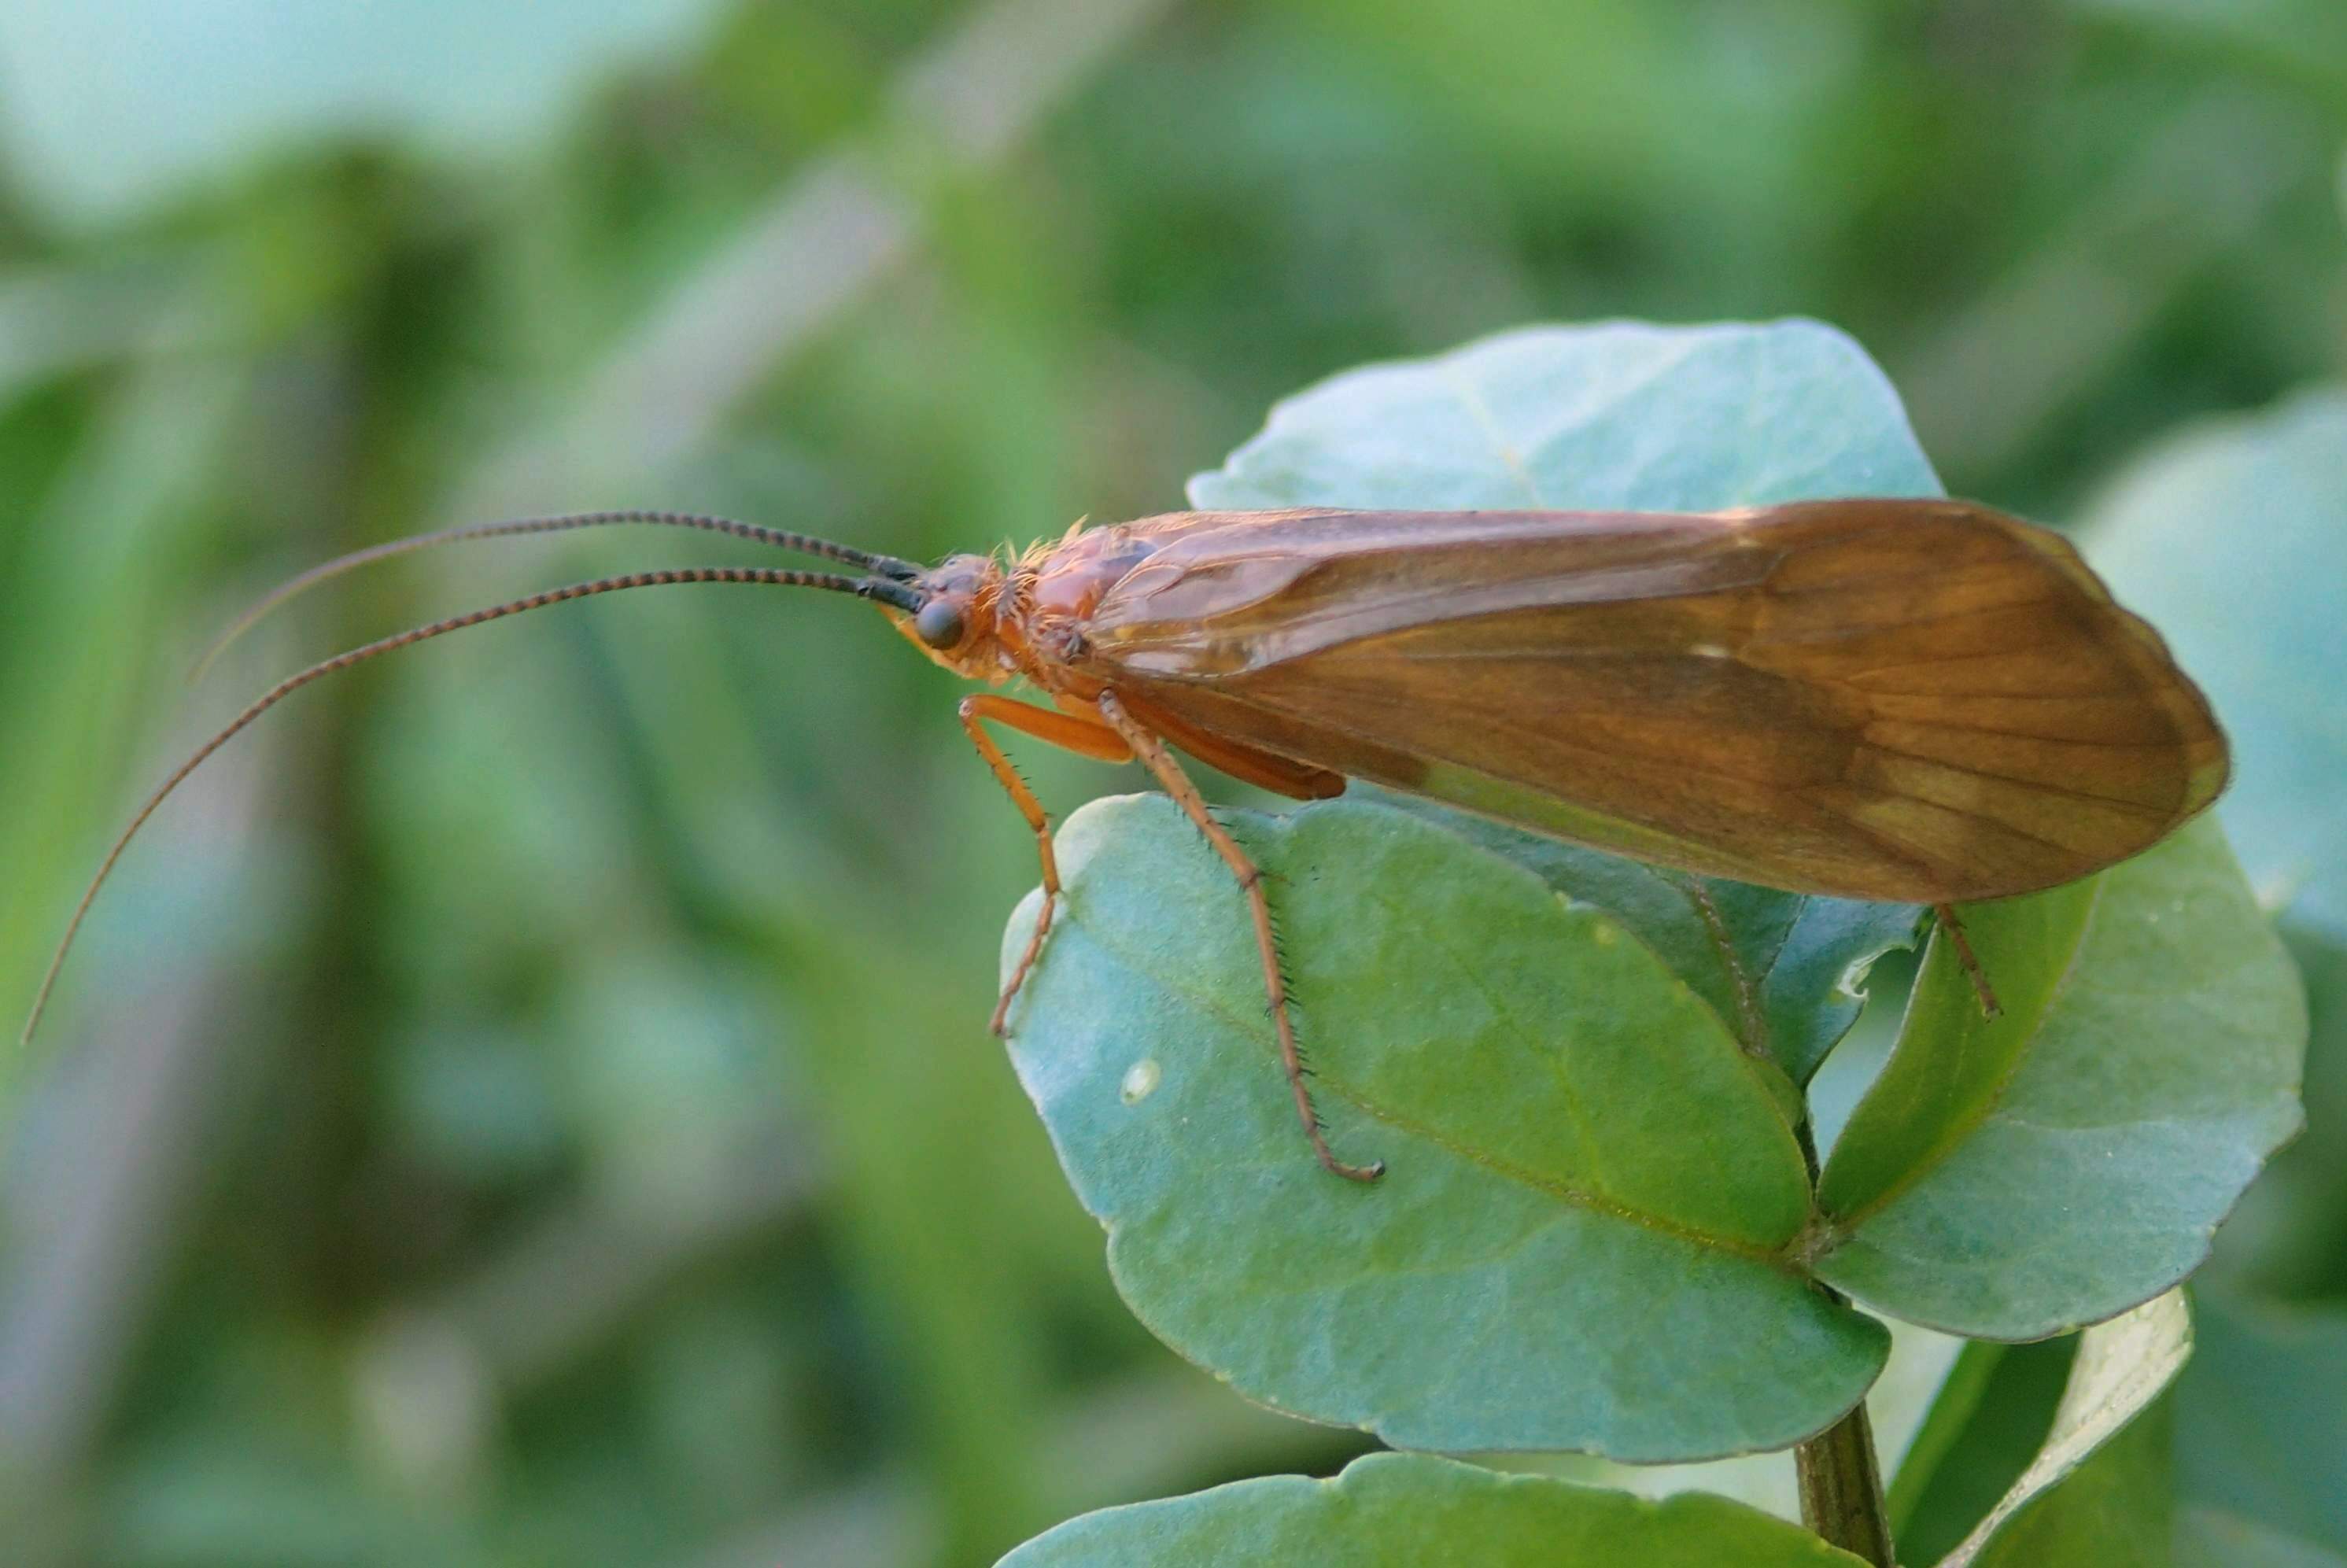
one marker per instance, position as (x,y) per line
(1840,1480)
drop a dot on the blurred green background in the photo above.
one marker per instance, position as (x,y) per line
(529,1101)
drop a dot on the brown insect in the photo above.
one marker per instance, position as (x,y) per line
(1906,700)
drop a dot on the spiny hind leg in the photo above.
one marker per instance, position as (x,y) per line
(1063,730)
(1160,762)
(1946,916)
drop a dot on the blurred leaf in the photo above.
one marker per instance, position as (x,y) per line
(60,321)
(1943,1426)
(2261,1418)
(94,580)
(937,1222)
(221,1494)
(2122,1367)
(1579,1155)
(2300,40)
(2012,1178)
(2211,1538)
(1627,415)
(1405,1509)
(192,93)
(2284,1241)
(2233,539)
(2185,188)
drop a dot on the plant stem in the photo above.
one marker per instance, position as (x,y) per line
(1840,1480)
(1841,1489)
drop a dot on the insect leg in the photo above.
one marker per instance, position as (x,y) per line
(1297,781)
(1946,916)
(1160,762)
(1081,735)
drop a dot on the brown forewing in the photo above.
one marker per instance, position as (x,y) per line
(1917,701)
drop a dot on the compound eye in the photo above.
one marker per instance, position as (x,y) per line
(939,623)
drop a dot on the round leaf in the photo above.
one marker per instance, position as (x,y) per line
(2015,1177)
(1455,1305)
(1583,1237)
(1615,414)
(2233,541)
(1399,1511)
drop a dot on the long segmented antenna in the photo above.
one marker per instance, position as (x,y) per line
(806,544)
(883,589)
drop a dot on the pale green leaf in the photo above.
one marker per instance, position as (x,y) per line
(1618,414)
(1784,972)
(244,78)
(1397,1511)
(2261,1418)
(1581,1239)
(2233,539)
(2015,1177)
(2212,1537)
